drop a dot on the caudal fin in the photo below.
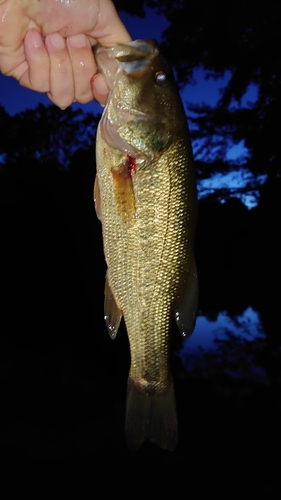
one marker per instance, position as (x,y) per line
(151,416)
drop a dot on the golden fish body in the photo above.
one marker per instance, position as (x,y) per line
(145,197)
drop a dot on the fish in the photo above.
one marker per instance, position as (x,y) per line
(145,197)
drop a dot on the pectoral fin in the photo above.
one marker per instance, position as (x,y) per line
(112,313)
(186,311)
(124,191)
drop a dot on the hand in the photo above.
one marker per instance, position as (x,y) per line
(46,46)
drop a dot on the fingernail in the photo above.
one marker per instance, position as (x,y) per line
(57,41)
(78,41)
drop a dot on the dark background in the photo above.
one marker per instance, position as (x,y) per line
(63,381)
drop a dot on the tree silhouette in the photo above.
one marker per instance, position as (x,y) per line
(244,39)
(45,134)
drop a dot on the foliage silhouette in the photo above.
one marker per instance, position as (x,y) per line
(45,134)
(243,39)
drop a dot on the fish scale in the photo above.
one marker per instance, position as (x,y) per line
(148,220)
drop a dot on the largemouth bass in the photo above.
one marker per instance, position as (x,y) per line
(145,197)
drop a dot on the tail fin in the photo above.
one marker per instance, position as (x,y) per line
(151,416)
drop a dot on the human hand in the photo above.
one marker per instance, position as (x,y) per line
(47,46)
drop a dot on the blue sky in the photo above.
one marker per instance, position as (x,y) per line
(15,98)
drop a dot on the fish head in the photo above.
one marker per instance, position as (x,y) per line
(141,114)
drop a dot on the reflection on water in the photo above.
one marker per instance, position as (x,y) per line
(247,326)
(228,345)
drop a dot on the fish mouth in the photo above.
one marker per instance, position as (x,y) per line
(132,58)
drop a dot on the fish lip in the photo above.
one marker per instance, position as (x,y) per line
(111,60)
(145,46)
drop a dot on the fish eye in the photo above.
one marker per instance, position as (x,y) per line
(161,78)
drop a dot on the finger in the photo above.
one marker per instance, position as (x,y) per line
(109,29)
(37,69)
(83,66)
(61,90)
(100,88)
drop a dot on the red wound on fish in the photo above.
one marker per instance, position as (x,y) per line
(131,164)
(127,168)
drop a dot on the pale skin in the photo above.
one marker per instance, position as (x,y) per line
(47,46)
